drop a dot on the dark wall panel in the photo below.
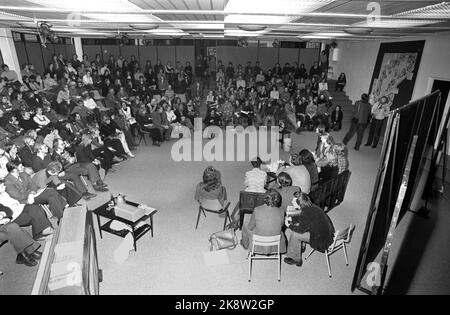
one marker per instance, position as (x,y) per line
(166,53)
(185,53)
(288,55)
(47,54)
(268,57)
(148,53)
(128,51)
(91,51)
(308,56)
(108,50)
(35,56)
(21,53)
(70,49)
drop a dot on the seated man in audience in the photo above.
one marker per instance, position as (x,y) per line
(161,123)
(286,190)
(266,220)
(26,153)
(42,160)
(25,214)
(110,130)
(25,247)
(20,186)
(256,178)
(71,165)
(298,173)
(310,226)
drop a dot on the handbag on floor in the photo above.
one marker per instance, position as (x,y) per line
(226,239)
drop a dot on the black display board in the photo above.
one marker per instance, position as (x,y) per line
(405,123)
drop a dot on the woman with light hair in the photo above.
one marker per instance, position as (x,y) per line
(210,192)
(326,157)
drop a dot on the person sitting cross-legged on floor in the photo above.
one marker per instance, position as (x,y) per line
(266,220)
(311,225)
(21,187)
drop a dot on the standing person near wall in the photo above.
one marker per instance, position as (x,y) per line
(380,110)
(360,120)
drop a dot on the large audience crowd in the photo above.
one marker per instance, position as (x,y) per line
(61,128)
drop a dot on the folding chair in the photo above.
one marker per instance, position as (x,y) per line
(340,239)
(205,204)
(248,201)
(259,242)
(142,133)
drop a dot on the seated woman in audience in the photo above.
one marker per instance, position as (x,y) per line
(266,220)
(255,179)
(341,82)
(326,157)
(209,192)
(107,156)
(49,82)
(111,132)
(40,119)
(342,158)
(336,118)
(143,118)
(298,173)
(51,177)
(286,190)
(310,226)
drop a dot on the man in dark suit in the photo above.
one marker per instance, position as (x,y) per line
(160,121)
(25,247)
(360,120)
(26,153)
(21,187)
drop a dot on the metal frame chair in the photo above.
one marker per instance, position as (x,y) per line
(248,201)
(340,239)
(264,241)
(203,210)
(141,134)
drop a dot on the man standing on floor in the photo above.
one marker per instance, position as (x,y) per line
(360,121)
(380,111)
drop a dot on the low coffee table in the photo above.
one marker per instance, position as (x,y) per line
(111,216)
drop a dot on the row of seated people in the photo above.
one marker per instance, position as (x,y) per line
(307,225)
(299,112)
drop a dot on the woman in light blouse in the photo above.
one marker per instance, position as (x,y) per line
(326,157)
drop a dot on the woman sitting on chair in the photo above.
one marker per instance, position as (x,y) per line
(312,226)
(210,193)
(266,220)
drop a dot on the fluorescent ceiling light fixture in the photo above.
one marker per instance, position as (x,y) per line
(328,35)
(396,23)
(89,5)
(212,35)
(283,7)
(252,28)
(436,11)
(167,32)
(240,33)
(262,19)
(200,26)
(144,27)
(127,18)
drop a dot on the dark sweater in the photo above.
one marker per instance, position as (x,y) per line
(315,221)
